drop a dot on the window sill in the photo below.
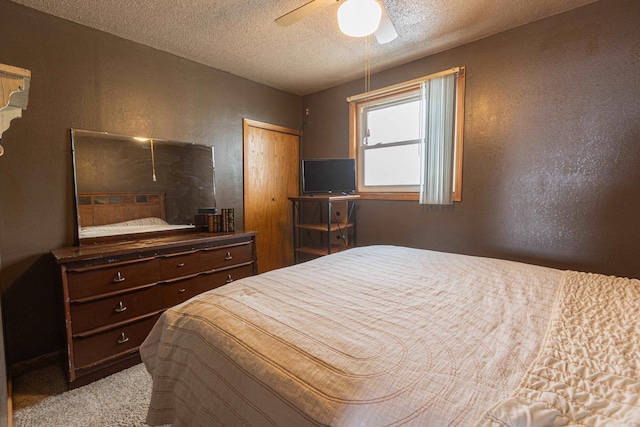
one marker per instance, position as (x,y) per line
(396,196)
(388,196)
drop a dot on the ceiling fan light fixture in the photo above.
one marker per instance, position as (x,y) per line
(359,18)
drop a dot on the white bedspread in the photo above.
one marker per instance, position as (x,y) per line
(373,336)
(588,370)
(141,225)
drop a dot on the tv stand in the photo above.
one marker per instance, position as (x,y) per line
(323,224)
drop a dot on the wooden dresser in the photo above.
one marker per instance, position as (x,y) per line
(114,293)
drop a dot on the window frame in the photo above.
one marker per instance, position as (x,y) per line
(387,95)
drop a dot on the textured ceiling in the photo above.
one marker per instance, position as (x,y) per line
(241,37)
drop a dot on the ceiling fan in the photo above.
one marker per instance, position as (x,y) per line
(384,30)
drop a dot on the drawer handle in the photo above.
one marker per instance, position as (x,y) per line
(122,339)
(118,278)
(120,307)
(229,279)
(183,290)
(181,264)
(228,256)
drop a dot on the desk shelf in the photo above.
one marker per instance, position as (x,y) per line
(323,225)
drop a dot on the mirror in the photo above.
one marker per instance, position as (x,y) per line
(129,185)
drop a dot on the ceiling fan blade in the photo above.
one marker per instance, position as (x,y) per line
(303,11)
(386,32)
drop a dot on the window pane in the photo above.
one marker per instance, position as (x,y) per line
(395,123)
(398,165)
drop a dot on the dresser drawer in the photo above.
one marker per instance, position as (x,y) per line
(94,314)
(181,290)
(91,349)
(226,257)
(91,281)
(183,264)
(215,280)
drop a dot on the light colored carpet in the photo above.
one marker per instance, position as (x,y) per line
(118,400)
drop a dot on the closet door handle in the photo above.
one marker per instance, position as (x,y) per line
(118,278)
(228,256)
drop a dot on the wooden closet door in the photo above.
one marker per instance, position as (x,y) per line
(271,175)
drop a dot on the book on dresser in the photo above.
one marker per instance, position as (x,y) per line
(113,293)
(218,222)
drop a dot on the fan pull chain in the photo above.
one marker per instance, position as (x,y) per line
(367,66)
(367,83)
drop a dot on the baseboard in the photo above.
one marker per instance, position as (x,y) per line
(9,403)
(20,368)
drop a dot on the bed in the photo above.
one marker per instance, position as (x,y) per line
(117,213)
(390,336)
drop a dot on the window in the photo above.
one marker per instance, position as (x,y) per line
(394,135)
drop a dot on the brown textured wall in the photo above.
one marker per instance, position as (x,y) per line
(86,79)
(552,145)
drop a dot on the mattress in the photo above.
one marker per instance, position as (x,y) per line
(372,336)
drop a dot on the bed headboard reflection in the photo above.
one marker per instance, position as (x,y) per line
(110,208)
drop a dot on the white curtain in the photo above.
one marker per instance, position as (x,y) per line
(437,133)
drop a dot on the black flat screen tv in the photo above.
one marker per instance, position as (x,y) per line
(328,175)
